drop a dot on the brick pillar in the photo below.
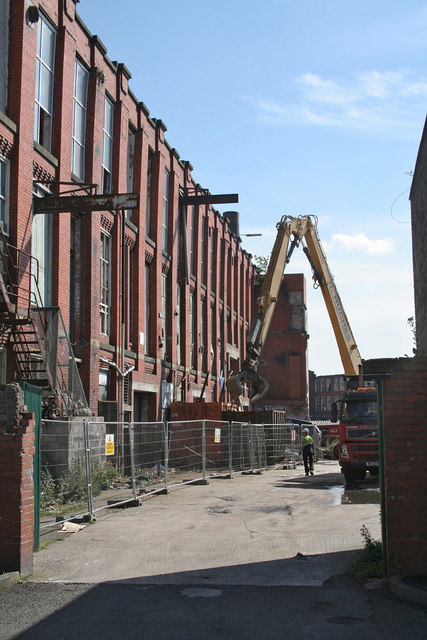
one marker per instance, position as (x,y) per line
(16,492)
(405,448)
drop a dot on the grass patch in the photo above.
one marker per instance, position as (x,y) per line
(369,564)
(44,545)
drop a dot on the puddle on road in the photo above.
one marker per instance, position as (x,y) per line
(217,509)
(275,509)
(341,495)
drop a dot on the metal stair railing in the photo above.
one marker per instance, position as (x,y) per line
(43,352)
(63,366)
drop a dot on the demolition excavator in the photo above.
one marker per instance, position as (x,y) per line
(291,232)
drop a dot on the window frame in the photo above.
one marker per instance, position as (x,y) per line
(45,69)
(165,209)
(105,283)
(77,102)
(107,157)
(4,194)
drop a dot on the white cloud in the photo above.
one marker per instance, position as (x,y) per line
(361,242)
(374,100)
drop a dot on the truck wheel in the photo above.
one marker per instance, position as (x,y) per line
(336,452)
(352,476)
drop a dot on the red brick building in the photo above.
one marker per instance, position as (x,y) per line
(285,350)
(323,392)
(69,116)
(157,299)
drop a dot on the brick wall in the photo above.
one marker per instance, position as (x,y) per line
(405,446)
(16,482)
(418,199)
(285,351)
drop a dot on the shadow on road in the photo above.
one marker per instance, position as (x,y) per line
(240,601)
(192,606)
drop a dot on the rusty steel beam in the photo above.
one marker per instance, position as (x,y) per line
(86,204)
(223,198)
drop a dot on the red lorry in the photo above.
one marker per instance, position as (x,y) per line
(358,430)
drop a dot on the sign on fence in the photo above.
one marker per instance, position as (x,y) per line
(109,444)
(217,435)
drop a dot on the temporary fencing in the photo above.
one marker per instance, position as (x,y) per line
(91,465)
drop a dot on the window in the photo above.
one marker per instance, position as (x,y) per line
(220,267)
(128,294)
(105,282)
(147,310)
(81,76)
(164,314)
(178,318)
(46,38)
(130,166)
(107,148)
(165,211)
(104,386)
(192,240)
(148,194)
(202,250)
(192,332)
(212,257)
(4,195)
(202,337)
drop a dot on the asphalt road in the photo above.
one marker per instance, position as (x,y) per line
(255,557)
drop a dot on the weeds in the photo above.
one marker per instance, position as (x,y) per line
(369,563)
(71,487)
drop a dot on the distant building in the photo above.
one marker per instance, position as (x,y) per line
(324,390)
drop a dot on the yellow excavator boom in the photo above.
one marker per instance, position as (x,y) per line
(292,231)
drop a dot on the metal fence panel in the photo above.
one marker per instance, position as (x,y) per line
(63,469)
(218,447)
(89,465)
(186,459)
(150,456)
(241,448)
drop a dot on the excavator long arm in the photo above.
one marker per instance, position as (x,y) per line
(300,229)
(347,347)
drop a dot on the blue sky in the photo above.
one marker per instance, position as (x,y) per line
(309,107)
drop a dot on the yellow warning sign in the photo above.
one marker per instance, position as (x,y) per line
(109,444)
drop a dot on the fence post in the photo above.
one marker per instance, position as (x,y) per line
(166,457)
(122,447)
(251,452)
(132,458)
(204,449)
(88,470)
(230,448)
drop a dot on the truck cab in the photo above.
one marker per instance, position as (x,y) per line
(358,432)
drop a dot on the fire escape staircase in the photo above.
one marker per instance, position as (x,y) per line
(37,336)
